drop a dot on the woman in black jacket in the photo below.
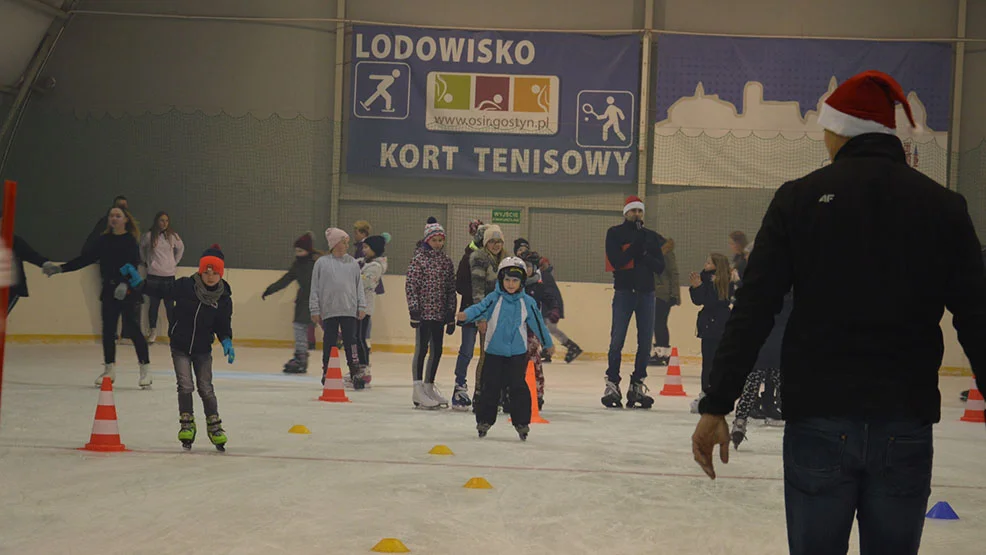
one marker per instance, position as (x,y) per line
(203,310)
(22,253)
(712,290)
(117,252)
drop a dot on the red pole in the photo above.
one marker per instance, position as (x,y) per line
(7,233)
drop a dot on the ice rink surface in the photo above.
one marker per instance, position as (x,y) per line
(592,481)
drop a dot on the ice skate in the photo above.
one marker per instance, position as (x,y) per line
(545,357)
(356,375)
(739,432)
(612,397)
(574,351)
(432,391)
(522,431)
(297,365)
(637,395)
(109,370)
(145,381)
(186,434)
(460,398)
(421,399)
(367,378)
(483,429)
(216,433)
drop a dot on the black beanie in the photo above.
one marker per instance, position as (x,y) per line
(377,243)
(518,243)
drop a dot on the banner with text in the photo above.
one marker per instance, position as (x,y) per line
(743,112)
(492,105)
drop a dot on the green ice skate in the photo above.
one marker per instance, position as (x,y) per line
(216,433)
(186,435)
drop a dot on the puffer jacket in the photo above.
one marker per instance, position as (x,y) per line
(483,267)
(371,274)
(463,277)
(715,311)
(509,317)
(430,286)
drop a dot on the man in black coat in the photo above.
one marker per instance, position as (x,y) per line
(633,254)
(860,357)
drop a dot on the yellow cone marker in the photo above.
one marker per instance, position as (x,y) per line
(440,450)
(299,429)
(478,483)
(390,545)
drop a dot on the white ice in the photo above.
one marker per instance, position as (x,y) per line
(592,481)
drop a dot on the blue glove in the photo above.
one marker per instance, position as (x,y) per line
(228,350)
(132,274)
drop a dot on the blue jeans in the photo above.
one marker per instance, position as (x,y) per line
(625,304)
(879,472)
(465,353)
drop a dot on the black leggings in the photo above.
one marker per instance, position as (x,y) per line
(112,311)
(662,310)
(500,372)
(429,339)
(331,327)
(362,347)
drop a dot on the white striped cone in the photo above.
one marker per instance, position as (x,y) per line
(672,382)
(333,390)
(975,406)
(105,432)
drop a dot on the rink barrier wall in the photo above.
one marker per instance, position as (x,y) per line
(65,309)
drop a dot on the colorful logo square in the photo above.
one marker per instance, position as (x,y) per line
(532,94)
(452,91)
(492,93)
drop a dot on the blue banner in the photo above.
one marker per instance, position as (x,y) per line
(743,112)
(491,105)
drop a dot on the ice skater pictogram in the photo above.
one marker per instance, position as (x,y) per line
(384,82)
(612,114)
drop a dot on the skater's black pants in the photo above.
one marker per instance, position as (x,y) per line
(662,310)
(362,335)
(876,472)
(497,372)
(330,328)
(155,302)
(112,311)
(710,345)
(429,341)
(201,366)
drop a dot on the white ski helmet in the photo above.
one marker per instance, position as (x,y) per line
(513,267)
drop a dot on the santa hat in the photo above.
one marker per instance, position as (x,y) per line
(213,256)
(334,235)
(864,103)
(433,229)
(632,202)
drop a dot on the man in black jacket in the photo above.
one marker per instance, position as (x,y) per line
(860,358)
(633,254)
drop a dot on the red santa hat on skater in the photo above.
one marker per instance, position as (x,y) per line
(631,203)
(865,103)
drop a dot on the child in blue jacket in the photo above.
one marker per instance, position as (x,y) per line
(508,312)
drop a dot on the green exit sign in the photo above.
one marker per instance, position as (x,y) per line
(506,216)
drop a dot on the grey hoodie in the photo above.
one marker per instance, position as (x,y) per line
(337,288)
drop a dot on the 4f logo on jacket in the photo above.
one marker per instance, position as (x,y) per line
(825,199)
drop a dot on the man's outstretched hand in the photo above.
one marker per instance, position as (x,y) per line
(711,430)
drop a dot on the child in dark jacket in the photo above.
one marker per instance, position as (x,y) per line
(509,313)
(547,303)
(300,271)
(712,290)
(203,310)
(430,289)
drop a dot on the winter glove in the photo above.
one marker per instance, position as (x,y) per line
(120,292)
(415,323)
(132,275)
(450,328)
(415,318)
(553,316)
(675,301)
(50,268)
(228,350)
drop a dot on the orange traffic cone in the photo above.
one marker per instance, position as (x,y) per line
(672,382)
(105,433)
(974,406)
(533,386)
(333,390)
